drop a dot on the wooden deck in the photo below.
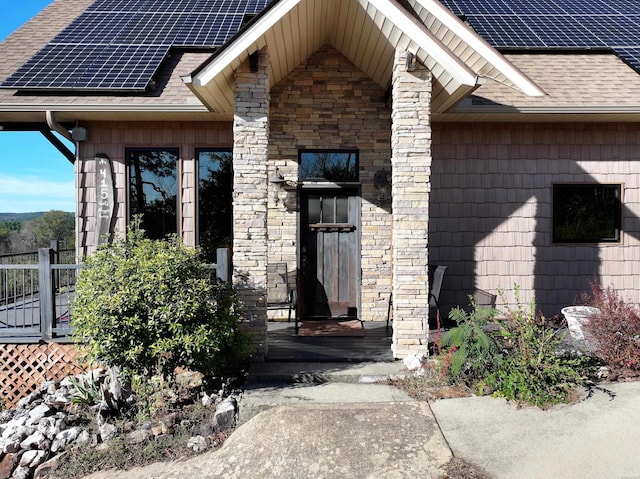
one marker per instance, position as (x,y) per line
(284,345)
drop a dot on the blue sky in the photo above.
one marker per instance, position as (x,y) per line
(34,176)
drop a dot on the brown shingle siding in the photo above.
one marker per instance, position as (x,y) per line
(492,226)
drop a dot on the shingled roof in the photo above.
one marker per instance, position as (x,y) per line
(590,86)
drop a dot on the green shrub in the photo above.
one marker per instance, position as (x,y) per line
(532,370)
(516,357)
(616,330)
(149,306)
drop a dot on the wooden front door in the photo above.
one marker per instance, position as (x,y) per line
(330,253)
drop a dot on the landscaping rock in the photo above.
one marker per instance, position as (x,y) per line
(8,464)
(139,436)
(107,431)
(189,379)
(21,472)
(197,444)
(45,469)
(38,413)
(36,440)
(208,400)
(63,438)
(32,459)
(414,361)
(226,415)
(46,423)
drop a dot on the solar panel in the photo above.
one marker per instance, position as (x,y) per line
(556,24)
(120,44)
(507,31)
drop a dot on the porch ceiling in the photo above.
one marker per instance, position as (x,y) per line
(367,32)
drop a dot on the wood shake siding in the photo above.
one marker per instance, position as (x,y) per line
(491,206)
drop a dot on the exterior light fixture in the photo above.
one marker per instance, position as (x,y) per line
(411,62)
(382,186)
(277,181)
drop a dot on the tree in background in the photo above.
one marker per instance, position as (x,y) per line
(25,235)
(54,225)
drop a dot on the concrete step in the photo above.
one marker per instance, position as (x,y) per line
(324,372)
(274,384)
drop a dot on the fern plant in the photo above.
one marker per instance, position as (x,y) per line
(471,351)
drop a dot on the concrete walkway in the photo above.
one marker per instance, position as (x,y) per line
(336,423)
(598,438)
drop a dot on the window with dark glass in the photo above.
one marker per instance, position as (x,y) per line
(215,214)
(329,165)
(586,213)
(153,189)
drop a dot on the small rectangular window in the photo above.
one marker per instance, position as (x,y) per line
(587,213)
(329,165)
(153,189)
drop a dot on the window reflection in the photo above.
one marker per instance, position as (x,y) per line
(586,213)
(328,165)
(215,186)
(153,189)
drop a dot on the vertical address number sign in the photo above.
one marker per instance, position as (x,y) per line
(105,199)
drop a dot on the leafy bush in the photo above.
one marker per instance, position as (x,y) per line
(616,330)
(149,306)
(516,357)
(532,371)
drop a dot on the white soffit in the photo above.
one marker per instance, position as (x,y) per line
(293,29)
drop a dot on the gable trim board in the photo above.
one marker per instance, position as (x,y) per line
(212,82)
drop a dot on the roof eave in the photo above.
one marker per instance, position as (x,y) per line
(484,49)
(429,45)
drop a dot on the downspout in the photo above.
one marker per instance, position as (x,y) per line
(55,126)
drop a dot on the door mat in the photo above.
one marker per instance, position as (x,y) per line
(330,327)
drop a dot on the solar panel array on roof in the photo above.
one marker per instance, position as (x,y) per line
(120,44)
(556,24)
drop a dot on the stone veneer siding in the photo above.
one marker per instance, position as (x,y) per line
(491,205)
(111,138)
(328,103)
(251,138)
(411,173)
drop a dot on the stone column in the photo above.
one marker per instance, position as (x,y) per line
(411,184)
(250,184)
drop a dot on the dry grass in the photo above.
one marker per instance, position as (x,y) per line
(460,469)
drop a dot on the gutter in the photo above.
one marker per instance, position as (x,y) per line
(37,108)
(566,109)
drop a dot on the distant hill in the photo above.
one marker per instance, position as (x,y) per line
(20,217)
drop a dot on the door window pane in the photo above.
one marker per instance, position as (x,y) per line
(328,212)
(342,210)
(215,211)
(314,209)
(153,189)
